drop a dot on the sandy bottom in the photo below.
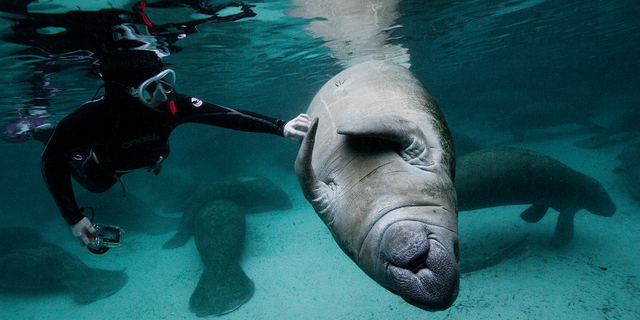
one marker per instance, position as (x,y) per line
(300,273)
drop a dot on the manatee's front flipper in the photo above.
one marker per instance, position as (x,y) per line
(534,213)
(219,232)
(564,229)
(411,139)
(185,231)
(319,194)
(94,284)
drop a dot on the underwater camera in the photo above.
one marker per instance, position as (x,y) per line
(106,237)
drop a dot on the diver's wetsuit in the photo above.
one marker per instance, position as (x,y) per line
(108,137)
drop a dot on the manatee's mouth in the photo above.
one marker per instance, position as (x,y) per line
(424,272)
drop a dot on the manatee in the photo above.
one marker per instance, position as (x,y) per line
(40,267)
(510,176)
(625,124)
(377,166)
(252,194)
(219,236)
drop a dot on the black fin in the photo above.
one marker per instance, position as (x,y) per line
(534,213)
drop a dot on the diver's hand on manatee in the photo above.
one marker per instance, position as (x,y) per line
(297,127)
(81,230)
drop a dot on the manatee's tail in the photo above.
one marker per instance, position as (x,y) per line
(221,291)
(219,232)
(95,284)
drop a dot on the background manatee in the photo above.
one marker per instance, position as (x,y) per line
(511,176)
(377,167)
(41,267)
(219,236)
(215,218)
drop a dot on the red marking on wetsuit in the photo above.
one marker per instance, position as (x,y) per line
(146,20)
(173,107)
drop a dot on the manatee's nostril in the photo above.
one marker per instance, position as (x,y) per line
(406,244)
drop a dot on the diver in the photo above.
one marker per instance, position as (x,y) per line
(84,34)
(128,128)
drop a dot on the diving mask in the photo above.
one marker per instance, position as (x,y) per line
(153,91)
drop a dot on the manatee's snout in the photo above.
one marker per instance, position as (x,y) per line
(424,272)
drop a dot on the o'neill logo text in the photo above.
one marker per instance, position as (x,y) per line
(140,140)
